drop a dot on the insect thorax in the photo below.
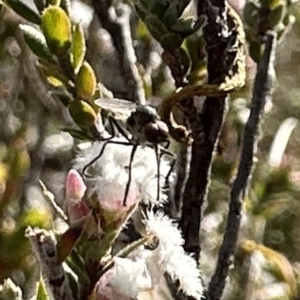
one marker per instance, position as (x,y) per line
(145,126)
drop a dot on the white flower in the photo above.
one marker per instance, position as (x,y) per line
(170,256)
(127,278)
(112,167)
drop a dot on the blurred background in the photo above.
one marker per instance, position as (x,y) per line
(33,147)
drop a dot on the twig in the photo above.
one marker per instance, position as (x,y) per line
(50,199)
(43,243)
(207,126)
(262,90)
(117,23)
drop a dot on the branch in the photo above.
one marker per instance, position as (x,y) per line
(222,48)
(262,90)
(117,23)
(43,244)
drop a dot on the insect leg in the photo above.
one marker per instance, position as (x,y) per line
(158,157)
(101,153)
(173,161)
(120,129)
(129,173)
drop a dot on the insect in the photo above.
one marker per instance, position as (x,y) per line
(145,128)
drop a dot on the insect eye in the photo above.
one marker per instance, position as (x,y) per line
(131,122)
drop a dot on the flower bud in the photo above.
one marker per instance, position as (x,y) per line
(75,187)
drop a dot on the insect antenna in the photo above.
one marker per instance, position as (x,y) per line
(164,151)
(158,157)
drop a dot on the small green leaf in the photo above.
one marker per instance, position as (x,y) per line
(67,241)
(276,16)
(36,42)
(24,11)
(56,27)
(62,97)
(41,291)
(140,10)
(156,27)
(51,70)
(159,8)
(171,15)
(86,82)
(171,41)
(82,113)
(188,26)
(78,47)
(255,50)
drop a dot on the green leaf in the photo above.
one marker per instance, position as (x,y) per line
(51,70)
(41,291)
(78,48)
(86,82)
(186,27)
(171,41)
(72,279)
(82,113)
(36,42)
(158,7)
(140,10)
(156,27)
(24,11)
(62,97)
(67,242)
(56,27)
(171,15)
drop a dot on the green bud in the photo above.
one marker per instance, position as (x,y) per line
(86,82)
(56,27)
(82,113)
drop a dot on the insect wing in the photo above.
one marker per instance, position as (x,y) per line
(121,109)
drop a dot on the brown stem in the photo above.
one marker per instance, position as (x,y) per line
(117,23)
(262,90)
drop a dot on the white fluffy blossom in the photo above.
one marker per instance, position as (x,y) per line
(170,256)
(109,174)
(142,272)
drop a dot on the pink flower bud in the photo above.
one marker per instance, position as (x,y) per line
(75,187)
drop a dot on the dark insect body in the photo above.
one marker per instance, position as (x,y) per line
(145,128)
